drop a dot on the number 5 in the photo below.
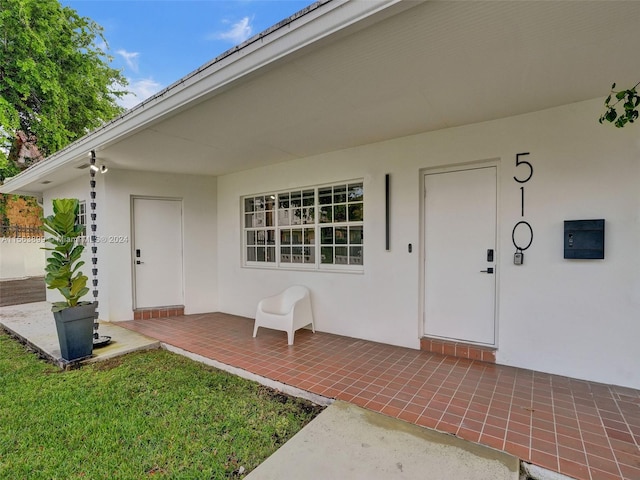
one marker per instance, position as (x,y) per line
(523,162)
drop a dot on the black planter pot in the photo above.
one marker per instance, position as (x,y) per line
(75,330)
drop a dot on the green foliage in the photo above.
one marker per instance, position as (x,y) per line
(7,167)
(630,101)
(55,80)
(64,261)
(146,415)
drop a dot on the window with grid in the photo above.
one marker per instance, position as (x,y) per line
(259,226)
(315,227)
(341,214)
(82,216)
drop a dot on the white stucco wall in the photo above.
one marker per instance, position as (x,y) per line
(573,317)
(21,257)
(114,191)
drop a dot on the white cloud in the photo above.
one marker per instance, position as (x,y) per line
(139,90)
(131,58)
(238,33)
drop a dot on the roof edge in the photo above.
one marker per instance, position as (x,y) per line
(249,56)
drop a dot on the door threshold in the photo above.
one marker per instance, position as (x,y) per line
(458,349)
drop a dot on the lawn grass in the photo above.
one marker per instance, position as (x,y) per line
(147,414)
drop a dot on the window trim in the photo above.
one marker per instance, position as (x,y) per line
(316,225)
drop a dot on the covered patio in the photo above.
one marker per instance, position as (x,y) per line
(585,430)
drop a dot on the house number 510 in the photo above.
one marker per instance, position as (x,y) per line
(525,174)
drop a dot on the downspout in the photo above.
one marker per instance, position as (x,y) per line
(98,341)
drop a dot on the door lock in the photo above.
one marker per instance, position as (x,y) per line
(138,262)
(488,270)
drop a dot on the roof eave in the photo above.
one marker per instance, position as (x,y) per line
(310,25)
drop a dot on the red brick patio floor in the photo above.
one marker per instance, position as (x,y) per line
(585,430)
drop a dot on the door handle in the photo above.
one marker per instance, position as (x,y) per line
(488,270)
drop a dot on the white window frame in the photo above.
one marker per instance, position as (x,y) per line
(82,220)
(264,213)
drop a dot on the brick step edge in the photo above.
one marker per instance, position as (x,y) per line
(458,349)
(161,312)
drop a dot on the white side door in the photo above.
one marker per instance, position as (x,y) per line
(460,243)
(157,252)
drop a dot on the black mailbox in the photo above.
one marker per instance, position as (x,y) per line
(584,239)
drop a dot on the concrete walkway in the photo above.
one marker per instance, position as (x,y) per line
(33,323)
(344,441)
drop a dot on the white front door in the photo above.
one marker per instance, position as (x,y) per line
(460,243)
(157,252)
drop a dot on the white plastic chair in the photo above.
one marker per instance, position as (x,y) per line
(289,311)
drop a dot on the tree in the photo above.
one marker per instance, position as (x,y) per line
(56,84)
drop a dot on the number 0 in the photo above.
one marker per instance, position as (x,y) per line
(513,235)
(523,162)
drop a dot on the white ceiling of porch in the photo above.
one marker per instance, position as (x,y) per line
(433,66)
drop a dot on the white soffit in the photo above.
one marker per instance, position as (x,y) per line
(430,66)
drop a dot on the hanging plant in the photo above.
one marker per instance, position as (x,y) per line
(630,101)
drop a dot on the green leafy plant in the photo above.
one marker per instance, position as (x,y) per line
(630,101)
(64,262)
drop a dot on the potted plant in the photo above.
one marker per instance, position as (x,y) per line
(74,319)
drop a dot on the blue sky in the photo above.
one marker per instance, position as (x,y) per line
(156,42)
